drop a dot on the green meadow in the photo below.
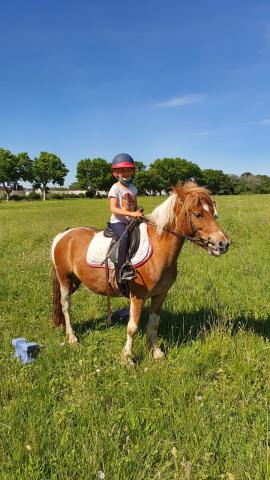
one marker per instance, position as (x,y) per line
(77,413)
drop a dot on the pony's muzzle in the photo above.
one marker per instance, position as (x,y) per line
(219,247)
(223,245)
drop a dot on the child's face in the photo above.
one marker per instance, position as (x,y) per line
(125,173)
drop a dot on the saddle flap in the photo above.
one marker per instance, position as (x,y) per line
(134,241)
(140,248)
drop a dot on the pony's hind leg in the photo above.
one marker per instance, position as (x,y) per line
(136,306)
(62,289)
(153,324)
(66,303)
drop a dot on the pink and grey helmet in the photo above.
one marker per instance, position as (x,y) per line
(123,160)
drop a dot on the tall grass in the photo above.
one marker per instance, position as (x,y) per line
(77,413)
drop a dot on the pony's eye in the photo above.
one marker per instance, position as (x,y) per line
(198,214)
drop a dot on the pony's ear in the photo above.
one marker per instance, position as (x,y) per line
(192,180)
(179,190)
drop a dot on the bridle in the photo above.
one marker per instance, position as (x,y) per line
(197,239)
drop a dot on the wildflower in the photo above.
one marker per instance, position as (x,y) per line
(101,475)
(28,447)
(174,452)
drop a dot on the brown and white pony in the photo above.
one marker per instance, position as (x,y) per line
(188,213)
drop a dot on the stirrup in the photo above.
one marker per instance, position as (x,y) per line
(127,272)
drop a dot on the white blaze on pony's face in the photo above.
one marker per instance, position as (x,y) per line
(205,206)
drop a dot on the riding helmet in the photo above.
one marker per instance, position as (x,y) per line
(123,160)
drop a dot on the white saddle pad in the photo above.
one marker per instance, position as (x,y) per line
(99,246)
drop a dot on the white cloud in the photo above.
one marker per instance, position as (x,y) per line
(266,121)
(180,101)
(204,133)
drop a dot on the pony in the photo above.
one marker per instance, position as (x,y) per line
(189,213)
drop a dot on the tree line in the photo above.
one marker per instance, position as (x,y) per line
(95,175)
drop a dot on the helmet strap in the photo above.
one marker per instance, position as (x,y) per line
(126,182)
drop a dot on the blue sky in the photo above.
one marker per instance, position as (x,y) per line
(152,78)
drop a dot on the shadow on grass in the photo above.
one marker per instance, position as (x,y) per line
(187,326)
(183,327)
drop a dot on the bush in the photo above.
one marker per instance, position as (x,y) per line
(56,196)
(33,196)
(101,195)
(16,197)
(89,194)
(64,196)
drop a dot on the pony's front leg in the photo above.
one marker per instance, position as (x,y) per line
(66,302)
(153,324)
(136,306)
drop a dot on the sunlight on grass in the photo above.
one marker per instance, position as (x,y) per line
(77,413)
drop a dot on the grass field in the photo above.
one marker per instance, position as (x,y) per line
(78,414)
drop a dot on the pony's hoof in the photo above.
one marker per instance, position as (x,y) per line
(158,354)
(72,339)
(127,360)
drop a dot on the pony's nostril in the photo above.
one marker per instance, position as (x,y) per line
(223,245)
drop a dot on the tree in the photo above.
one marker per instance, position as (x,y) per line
(95,174)
(174,170)
(74,186)
(47,168)
(25,166)
(157,182)
(140,166)
(249,183)
(143,181)
(13,168)
(217,181)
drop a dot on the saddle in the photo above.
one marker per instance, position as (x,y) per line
(134,242)
(140,250)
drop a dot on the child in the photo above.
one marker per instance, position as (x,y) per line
(123,206)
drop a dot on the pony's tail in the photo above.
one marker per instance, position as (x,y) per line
(58,318)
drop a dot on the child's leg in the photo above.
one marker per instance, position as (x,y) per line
(118,230)
(128,272)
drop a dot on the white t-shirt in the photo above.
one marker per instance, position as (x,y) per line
(126,198)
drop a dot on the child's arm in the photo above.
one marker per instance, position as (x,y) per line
(122,211)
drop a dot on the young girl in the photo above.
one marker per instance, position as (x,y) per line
(123,206)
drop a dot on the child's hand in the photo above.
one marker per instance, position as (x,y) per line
(138,213)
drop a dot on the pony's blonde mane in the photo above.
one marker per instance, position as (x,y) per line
(164,214)
(183,198)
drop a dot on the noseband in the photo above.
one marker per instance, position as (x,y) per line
(196,239)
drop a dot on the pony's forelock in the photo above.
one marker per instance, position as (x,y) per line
(190,195)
